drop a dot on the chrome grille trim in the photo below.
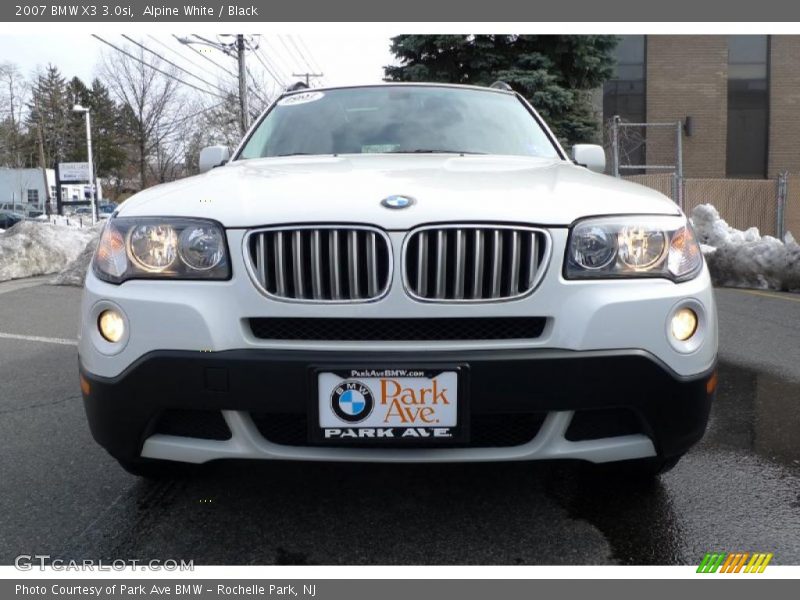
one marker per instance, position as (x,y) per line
(320,263)
(474,262)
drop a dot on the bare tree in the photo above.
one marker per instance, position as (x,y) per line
(13,96)
(149,93)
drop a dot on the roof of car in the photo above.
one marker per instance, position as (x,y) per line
(401,84)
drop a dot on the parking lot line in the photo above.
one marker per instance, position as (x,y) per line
(38,338)
(784,296)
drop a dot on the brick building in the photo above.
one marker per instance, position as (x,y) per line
(739,95)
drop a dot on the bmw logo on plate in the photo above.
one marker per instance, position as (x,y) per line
(352,401)
(397,201)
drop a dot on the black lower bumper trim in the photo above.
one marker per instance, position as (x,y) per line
(672,410)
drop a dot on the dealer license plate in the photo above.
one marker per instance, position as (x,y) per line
(384,405)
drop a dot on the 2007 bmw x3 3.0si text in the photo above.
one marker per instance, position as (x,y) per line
(398,273)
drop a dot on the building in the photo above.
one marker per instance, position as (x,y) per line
(738,96)
(22,190)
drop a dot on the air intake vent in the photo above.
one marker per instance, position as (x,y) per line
(398,330)
(321,263)
(474,263)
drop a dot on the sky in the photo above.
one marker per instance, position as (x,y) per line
(344,59)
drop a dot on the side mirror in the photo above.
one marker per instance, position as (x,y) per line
(213,156)
(591,156)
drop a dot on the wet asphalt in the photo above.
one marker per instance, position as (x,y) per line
(739,489)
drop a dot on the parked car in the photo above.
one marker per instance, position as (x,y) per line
(105,210)
(9,219)
(398,273)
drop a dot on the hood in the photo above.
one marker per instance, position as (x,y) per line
(349,189)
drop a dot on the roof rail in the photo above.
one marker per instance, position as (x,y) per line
(501,85)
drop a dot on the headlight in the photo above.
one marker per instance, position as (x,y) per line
(635,246)
(154,248)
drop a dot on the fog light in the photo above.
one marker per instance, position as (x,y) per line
(684,324)
(111,325)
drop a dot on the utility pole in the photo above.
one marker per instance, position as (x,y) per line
(308,76)
(244,115)
(47,207)
(237,50)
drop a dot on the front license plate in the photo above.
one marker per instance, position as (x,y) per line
(406,406)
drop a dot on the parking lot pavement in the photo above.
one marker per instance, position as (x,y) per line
(62,495)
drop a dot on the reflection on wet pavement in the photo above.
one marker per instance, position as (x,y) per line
(739,489)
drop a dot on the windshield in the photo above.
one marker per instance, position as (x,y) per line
(399,119)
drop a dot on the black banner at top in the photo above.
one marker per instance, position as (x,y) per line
(450,11)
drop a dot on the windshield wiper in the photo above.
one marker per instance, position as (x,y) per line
(432,151)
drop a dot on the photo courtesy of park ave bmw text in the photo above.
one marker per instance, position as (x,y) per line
(331,301)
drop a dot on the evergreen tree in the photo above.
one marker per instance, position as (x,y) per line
(556,73)
(50,106)
(108,139)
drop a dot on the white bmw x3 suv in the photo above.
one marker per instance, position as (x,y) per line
(398,273)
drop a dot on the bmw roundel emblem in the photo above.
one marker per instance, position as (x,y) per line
(397,201)
(352,401)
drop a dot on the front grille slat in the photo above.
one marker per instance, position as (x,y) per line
(497,262)
(474,262)
(458,277)
(334,268)
(324,263)
(261,259)
(352,259)
(441,263)
(513,272)
(422,264)
(316,265)
(397,330)
(477,274)
(280,267)
(297,264)
(533,262)
(372,262)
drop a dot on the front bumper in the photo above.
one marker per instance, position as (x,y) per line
(641,406)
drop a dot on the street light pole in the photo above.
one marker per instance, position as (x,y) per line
(92,196)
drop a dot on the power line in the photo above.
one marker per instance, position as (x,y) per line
(190,61)
(196,51)
(137,59)
(143,47)
(252,91)
(311,54)
(274,52)
(289,52)
(264,62)
(302,56)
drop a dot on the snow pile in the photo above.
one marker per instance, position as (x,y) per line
(33,248)
(75,272)
(746,258)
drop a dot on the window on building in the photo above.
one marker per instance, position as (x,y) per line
(33,196)
(625,95)
(748,105)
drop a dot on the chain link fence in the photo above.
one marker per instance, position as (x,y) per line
(772,205)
